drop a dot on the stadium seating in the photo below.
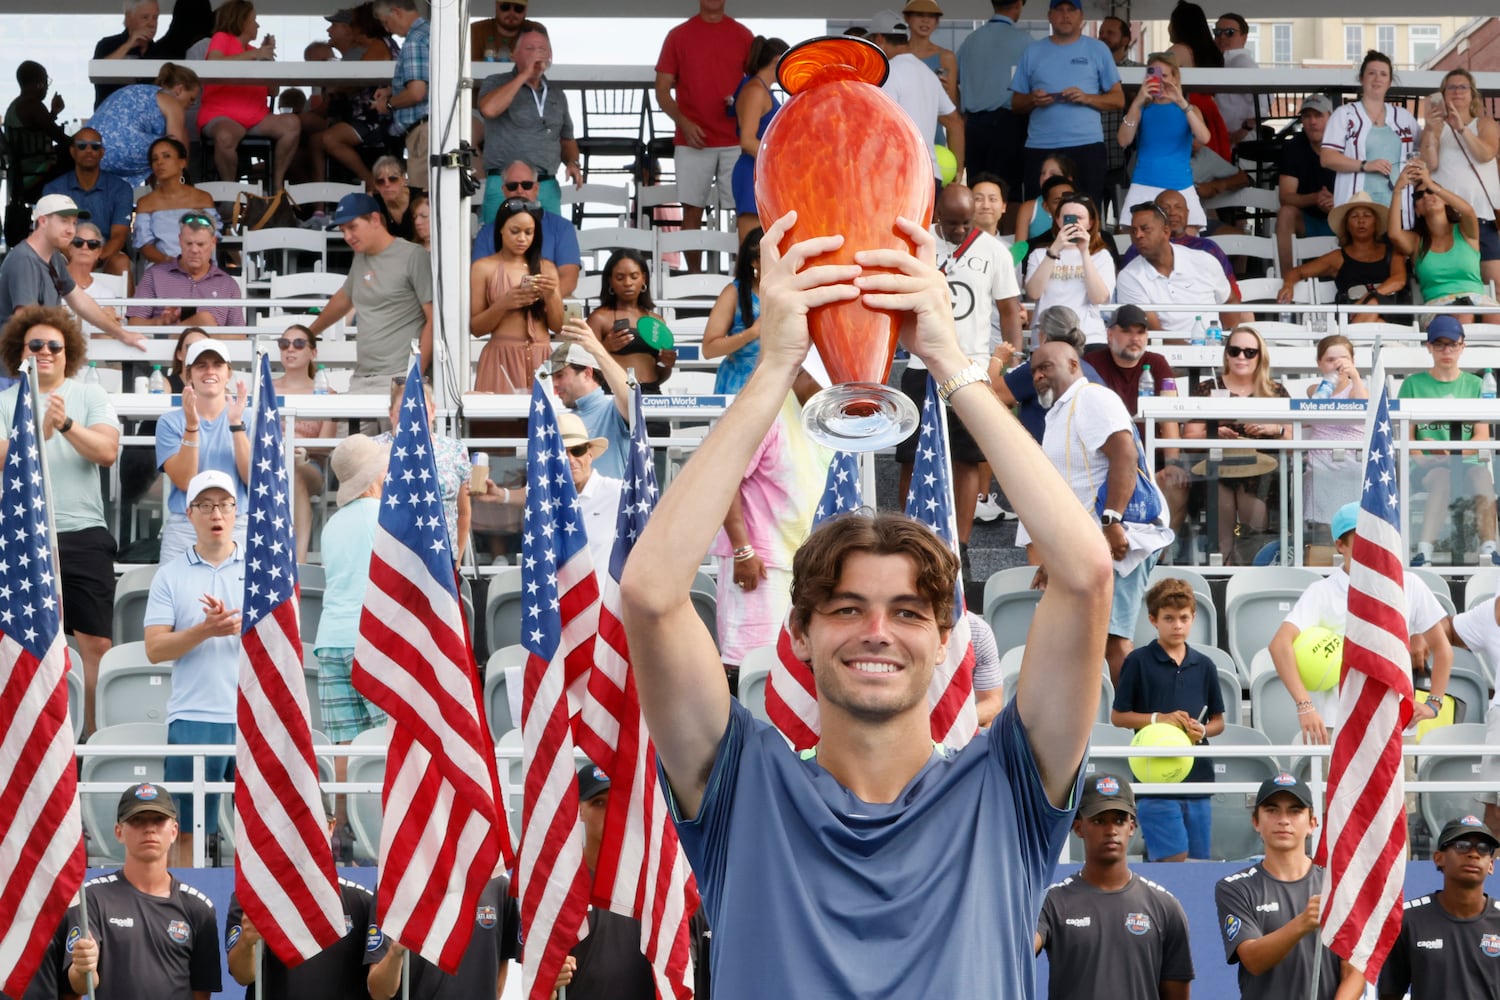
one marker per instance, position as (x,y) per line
(1438,808)
(1481,586)
(132,592)
(1010,604)
(1438,584)
(705,597)
(364,807)
(754,673)
(100,808)
(502,608)
(1272,709)
(75,691)
(1256,602)
(1233,838)
(131,688)
(1229,683)
(1010,673)
(496,689)
(1470,683)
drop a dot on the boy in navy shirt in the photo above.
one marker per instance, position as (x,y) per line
(1168,681)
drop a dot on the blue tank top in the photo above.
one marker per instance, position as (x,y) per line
(735,368)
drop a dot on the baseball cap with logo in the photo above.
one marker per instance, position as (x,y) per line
(1465,828)
(1104,792)
(592,782)
(144,798)
(1284,782)
(57,204)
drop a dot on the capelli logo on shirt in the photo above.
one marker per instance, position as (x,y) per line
(122,921)
(1079,921)
(1267,907)
(1434,945)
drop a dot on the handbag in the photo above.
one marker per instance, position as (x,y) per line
(1145,504)
(255,211)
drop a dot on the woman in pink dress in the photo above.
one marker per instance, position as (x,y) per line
(231,111)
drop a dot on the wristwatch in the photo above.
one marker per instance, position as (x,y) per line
(1110,517)
(67,425)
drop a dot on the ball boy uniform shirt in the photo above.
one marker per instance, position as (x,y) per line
(1251,904)
(162,947)
(1131,938)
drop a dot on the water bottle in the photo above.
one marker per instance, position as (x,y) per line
(1487,385)
(158,384)
(1324,389)
(320,382)
(1147,386)
(1216,334)
(91,374)
(1200,339)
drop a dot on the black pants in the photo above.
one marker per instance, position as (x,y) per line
(992,145)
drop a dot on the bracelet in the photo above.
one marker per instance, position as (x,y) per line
(1362,166)
(506,497)
(1305,711)
(190,444)
(974,372)
(236,428)
(744,554)
(1153,718)
(190,430)
(1053,256)
(1127,121)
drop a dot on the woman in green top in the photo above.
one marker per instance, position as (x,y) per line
(1443,243)
(1436,472)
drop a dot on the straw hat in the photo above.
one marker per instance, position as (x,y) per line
(922,7)
(574,433)
(1360,200)
(358,461)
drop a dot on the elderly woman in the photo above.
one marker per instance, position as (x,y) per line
(1365,268)
(395,196)
(232,111)
(1368,141)
(83,257)
(1460,144)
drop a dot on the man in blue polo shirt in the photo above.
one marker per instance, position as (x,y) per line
(579,365)
(107,199)
(193,618)
(559,238)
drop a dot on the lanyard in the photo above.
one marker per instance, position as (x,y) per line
(540,99)
(962,248)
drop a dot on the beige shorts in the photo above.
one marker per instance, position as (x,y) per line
(416,156)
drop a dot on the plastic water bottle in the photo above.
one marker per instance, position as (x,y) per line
(1216,334)
(1200,339)
(158,381)
(320,382)
(1487,385)
(91,374)
(1147,386)
(1324,389)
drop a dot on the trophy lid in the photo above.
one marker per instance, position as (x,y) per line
(832,56)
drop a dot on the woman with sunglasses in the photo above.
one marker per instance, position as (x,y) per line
(1443,242)
(1073,267)
(754,107)
(733,330)
(624,301)
(514,300)
(82,436)
(83,257)
(230,112)
(1163,126)
(159,215)
(355,123)
(131,119)
(1460,145)
(299,357)
(1368,141)
(395,196)
(1243,504)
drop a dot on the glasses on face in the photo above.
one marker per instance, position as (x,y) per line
(79,243)
(215,507)
(1421,193)
(287,343)
(519,185)
(1226,32)
(511,8)
(578,450)
(50,346)
(85,144)
(1461,87)
(1248,353)
(1445,345)
(387,180)
(1483,848)
(521,205)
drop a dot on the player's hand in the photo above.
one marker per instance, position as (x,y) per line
(1313,730)
(912,285)
(86,955)
(790,289)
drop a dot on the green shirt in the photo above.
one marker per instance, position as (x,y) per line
(76,499)
(1421,385)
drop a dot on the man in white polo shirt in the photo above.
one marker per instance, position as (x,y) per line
(599,494)
(1165,272)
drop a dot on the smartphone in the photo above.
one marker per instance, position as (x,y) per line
(572,310)
(1070,219)
(1435,103)
(1153,72)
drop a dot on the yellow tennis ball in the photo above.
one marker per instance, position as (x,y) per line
(947,164)
(1320,654)
(1161,770)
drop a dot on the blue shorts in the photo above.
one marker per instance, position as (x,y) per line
(1130,591)
(1315,225)
(214,768)
(1172,825)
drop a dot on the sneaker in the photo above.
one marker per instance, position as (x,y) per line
(1494,557)
(319,220)
(988,507)
(1420,559)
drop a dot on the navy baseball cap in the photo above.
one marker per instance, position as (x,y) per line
(352,206)
(1445,326)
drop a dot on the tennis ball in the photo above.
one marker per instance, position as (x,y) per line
(1320,654)
(1161,770)
(947,164)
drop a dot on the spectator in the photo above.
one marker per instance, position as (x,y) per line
(922,17)
(206,433)
(538,130)
(108,200)
(1175,207)
(754,107)
(299,367)
(1364,267)
(395,197)
(624,301)
(34,140)
(158,216)
(355,123)
(390,284)
(155,935)
(913,86)
(578,367)
(83,256)
(989,686)
(177,373)
(1016,388)
(193,621)
(1460,145)
(1165,272)
(1115,33)
(493,942)
(1034,218)
(192,277)
(993,131)
(733,328)
(1167,127)
(559,238)
(1091,442)
(1073,267)
(1367,142)
(696,74)
(232,111)
(136,117)
(452,467)
(35,272)
(1169,681)
(1443,243)
(598,495)
(1105,924)
(1303,185)
(1438,472)
(421,221)
(1065,81)
(1231,32)
(137,41)
(514,301)
(82,436)
(407,97)
(1243,483)
(1331,479)
(493,39)
(192,23)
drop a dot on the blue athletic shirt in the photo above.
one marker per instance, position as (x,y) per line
(1085,64)
(1165,143)
(814,893)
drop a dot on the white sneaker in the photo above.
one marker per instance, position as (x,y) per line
(988,508)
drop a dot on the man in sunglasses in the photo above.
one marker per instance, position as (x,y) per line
(494,38)
(1450,939)
(1231,32)
(106,198)
(193,276)
(559,238)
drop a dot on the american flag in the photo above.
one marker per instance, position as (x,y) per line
(559,622)
(641,872)
(443,827)
(41,832)
(791,694)
(283,869)
(1363,847)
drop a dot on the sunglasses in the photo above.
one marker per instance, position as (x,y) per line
(511,8)
(95,146)
(286,343)
(521,205)
(1226,32)
(1483,848)
(1145,206)
(519,185)
(197,221)
(387,180)
(1420,193)
(50,346)
(1249,353)
(578,450)
(91,244)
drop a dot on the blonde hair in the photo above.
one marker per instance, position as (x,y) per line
(1265,386)
(1476,103)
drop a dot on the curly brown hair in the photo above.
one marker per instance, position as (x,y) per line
(819,563)
(1171,593)
(13,339)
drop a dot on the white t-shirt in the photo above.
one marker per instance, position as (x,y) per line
(1066,287)
(921,95)
(1077,451)
(1238,109)
(600,498)
(1326,603)
(1196,277)
(1476,627)
(984,275)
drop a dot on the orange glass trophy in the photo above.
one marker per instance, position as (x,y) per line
(849,160)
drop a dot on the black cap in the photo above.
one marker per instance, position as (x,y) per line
(1468,826)
(1104,792)
(1284,782)
(592,782)
(144,798)
(1130,314)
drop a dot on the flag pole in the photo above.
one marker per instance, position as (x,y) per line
(28,368)
(260,957)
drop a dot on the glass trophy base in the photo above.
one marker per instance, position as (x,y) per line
(859,416)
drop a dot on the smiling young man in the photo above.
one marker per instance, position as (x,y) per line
(1268,913)
(877,865)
